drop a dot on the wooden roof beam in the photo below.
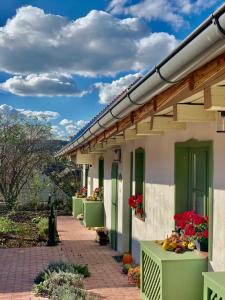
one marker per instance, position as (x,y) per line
(161,123)
(214,98)
(192,113)
(143,129)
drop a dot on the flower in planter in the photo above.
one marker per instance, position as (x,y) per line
(192,226)
(97,195)
(136,202)
(134,276)
(82,193)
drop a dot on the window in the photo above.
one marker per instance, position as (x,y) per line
(140,175)
(101,172)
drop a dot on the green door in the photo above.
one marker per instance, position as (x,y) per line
(114,209)
(198,181)
(192,179)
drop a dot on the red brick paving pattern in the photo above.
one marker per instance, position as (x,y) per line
(18,267)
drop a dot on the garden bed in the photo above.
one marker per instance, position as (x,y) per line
(23,229)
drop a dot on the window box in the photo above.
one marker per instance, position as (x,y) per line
(167,276)
(77,206)
(93,213)
(214,285)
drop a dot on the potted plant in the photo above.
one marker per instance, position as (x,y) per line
(97,195)
(136,203)
(134,276)
(102,236)
(82,193)
(193,226)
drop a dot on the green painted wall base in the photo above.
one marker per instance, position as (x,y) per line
(169,276)
(93,213)
(214,286)
(77,206)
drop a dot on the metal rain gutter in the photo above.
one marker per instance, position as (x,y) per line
(201,46)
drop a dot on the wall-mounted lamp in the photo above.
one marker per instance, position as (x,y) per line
(220,122)
(117,155)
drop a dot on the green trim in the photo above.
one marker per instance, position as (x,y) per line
(86,176)
(130,209)
(114,205)
(101,172)
(139,170)
(140,175)
(181,169)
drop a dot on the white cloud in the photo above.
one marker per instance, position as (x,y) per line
(66,122)
(42,85)
(33,42)
(70,127)
(188,6)
(108,91)
(9,111)
(40,115)
(58,133)
(171,11)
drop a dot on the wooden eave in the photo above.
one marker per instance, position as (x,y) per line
(209,74)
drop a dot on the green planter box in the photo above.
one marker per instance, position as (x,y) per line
(77,206)
(214,286)
(93,213)
(168,276)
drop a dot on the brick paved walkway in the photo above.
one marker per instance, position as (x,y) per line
(18,267)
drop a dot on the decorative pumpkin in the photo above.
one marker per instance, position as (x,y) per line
(127,258)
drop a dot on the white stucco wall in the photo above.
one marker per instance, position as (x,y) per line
(159,188)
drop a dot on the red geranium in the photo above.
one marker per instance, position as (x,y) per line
(205,233)
(136,202)
(192,225)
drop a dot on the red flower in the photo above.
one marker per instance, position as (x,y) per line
(139,211)
(205,233)
(190,230)
(139,199)
(181,224)
(132,201)
(198,219)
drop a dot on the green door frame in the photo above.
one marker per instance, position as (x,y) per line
(114,205)
(130,209)
(180,149)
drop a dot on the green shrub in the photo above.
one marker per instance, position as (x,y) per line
(55,279)
(42,226)
(61,266)
(66,292)
(68,267)
(42,276)
(6,225)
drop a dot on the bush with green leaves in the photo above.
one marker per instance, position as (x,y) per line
(66,292)
(42,226)
(8,226)
(69,267)
(62,266)
(55,279)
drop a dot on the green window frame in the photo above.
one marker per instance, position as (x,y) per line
(140,174)
(101,173)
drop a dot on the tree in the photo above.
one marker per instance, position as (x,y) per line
(65,175)
(23,149)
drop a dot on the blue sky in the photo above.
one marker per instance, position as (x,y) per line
(63,61)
